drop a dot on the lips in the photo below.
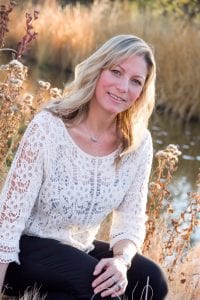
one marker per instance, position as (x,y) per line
(116,98)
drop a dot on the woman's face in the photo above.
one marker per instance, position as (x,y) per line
(119,87)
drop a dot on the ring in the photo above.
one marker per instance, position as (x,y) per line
(119,286)
(114,281)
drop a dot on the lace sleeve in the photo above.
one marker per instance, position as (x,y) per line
(20,191)
(129,218)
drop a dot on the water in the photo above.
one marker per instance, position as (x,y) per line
(166,130)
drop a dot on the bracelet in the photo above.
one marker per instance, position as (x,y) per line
(125,257)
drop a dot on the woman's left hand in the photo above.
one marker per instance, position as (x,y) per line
(112,279)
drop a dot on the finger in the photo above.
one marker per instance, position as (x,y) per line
(100,266)
(115,291)
(121,289)
(103,277)
(105,285)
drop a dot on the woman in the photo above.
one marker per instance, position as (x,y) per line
(81,158)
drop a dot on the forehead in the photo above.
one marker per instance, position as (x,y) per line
(133,64)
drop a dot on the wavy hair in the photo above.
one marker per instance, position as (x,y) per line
(73,107)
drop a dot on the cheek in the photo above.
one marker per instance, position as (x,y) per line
(105,79)
(101,86)
(136,92)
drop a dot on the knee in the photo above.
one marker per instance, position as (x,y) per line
(157,281)
(148,275)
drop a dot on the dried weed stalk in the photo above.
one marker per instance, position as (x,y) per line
(12,106)
(17,107)
(29,35)
(168,238)
(45,92)
(15,104)
(167,165)
(5,10)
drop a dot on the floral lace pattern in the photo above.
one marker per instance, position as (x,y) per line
(56,190)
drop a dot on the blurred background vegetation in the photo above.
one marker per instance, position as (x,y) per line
(69,30)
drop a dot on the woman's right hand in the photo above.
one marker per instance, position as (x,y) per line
(111,277)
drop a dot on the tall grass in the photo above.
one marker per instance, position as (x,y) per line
(68,35)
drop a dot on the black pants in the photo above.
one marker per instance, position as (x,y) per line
(64,272)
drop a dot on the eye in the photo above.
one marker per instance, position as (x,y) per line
(136,81)
(116,72)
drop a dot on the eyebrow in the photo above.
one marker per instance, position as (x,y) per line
(140,76)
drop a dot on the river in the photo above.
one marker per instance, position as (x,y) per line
(169,130)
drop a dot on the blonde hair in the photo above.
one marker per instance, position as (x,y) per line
(73,107)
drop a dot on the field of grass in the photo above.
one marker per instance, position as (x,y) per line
(67,35)
(71,34)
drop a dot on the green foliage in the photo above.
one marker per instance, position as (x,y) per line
(187,9)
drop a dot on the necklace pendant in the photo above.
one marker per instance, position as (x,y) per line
(93,139)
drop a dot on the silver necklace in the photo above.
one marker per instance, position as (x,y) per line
(94,138)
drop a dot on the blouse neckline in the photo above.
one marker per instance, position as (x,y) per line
(80,150)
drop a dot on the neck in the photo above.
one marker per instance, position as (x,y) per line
(99,126)
(100,122)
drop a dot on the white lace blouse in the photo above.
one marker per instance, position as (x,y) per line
(56,190)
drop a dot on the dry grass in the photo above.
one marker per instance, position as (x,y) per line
(17,107)
(168,237)
(66,36)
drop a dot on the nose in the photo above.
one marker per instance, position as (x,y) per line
(123,85)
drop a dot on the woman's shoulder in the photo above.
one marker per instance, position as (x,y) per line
(143,147)
(147,138)
(145,141)
(46,120)
(44,116)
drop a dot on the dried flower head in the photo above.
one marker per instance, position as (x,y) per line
(55,93)
(44,85)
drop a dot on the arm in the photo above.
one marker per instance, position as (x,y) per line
(125,250)
(127,230)
(20,190)
(129,218)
